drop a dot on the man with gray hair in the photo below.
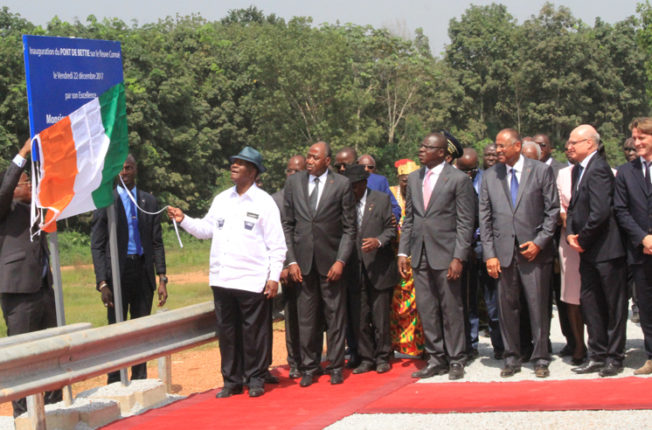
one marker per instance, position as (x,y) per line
(531,150)
(592,231)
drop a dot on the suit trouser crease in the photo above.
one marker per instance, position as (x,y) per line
(440,307)
(374,340)
(292,344)
(319,299)
(532,280)
(603,299)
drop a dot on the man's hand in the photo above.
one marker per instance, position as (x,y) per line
(175,214)
(369,244)
(285,276)
(335,272)
(493,267)
(271,289)
(162,292)
(647,244)
(529,250)
(574,243)
(295,273)
(107,297)
(394,223)
(27,147)
(454,270)
(403,267)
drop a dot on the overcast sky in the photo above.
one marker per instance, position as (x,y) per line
(406,15)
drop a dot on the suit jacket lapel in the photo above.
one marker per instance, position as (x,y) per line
(525,175)
(638,174)
(418,194)
(328,189)
(501,173)
(302,196)
(441,183)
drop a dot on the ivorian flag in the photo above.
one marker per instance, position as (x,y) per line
(80,156)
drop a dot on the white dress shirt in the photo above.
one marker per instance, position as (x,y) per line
(248,245)
(518,166)
(322,182)
(584,163)
(436,171)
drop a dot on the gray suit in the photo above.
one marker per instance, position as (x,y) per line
(502,229)
(433,236)
(315,241)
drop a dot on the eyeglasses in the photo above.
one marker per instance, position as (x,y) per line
(431,147)
(628,149)
(369,166)
(571,143)
(469,171)
(291,171)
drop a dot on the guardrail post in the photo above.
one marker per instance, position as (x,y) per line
(165,372)
(36,411)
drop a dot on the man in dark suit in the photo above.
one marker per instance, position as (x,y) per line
(319,225)
(633,206)
(290,291)
(26,294)
(437,234)
(593,232)
(519,208)
(140,251)
(372,265)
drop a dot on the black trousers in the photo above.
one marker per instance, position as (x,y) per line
(642,274)
(321,301)
(25,313)
(603,299)
(292,344)
(243,332)
(439,304)
(137,296)
(374,339)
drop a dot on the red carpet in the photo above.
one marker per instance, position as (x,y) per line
(289,406)
(566,395)
(283,406)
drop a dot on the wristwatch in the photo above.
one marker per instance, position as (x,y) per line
(101,285)
(163,278)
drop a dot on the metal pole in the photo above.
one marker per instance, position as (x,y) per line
(115,275)
(55,267)
(36,411)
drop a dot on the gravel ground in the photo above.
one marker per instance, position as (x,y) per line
(485,368)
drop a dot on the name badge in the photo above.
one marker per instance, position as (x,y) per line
(220,223)
(249,225)
(252,215)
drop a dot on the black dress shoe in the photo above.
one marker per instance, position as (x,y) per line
(541,371)
(456,371)
(306,380)
(270,379)
(256,392)
(364,367)
(565,351)
(509,370)
(228,392)
(383,368)
(611,369)
(590,367)
(430,371)
(336,377)
(294,373)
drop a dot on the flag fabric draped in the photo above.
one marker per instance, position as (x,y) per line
(79,157)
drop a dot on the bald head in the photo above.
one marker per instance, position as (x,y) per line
(345,157)
(295,164)
(583,141)
(468,162)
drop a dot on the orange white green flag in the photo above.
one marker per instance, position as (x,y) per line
(78,158)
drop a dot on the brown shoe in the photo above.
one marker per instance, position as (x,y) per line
(646,369)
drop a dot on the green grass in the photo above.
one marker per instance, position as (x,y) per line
(82,302)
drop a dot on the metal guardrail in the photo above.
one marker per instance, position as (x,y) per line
(42,334)
(53,362)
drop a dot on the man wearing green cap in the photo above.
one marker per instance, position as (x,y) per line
(247,254)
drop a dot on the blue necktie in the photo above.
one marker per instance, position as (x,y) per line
(134,227)
(514,187)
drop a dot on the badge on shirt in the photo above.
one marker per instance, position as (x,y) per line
(249,225)
(220,223)
(250,220)
(252,215)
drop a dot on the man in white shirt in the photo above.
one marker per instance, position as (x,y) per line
(247,254)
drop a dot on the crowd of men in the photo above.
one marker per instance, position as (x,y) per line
(330,239)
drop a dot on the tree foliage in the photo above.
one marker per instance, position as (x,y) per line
(198,90)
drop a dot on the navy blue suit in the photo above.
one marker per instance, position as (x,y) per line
(633,206)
